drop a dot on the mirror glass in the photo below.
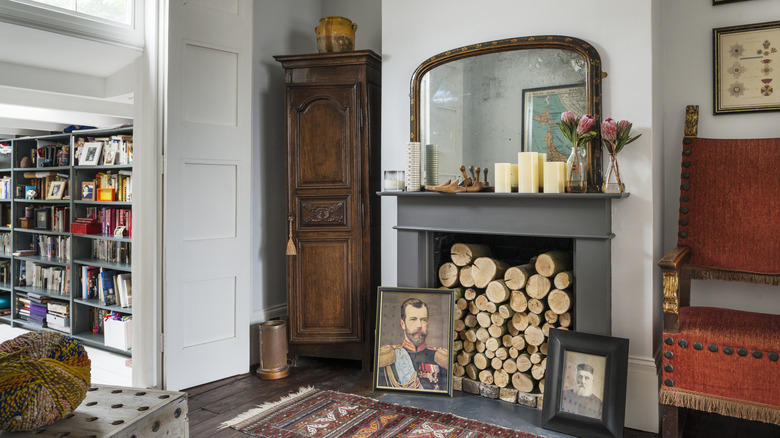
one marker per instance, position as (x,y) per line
(483,104)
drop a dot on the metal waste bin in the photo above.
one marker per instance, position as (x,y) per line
(273,351)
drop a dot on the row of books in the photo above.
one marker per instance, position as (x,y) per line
(48,154)
(43,311)
(52,247)
(5,271)
(5,243)
(120,181)
(110,287)
(111,251)
(5,188)
(110,218)
(55,279)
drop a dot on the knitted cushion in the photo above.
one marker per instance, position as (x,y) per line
(44,376)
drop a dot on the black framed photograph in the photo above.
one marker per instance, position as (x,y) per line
(745,67)
(542,109)
(42,220)
(585,392)
(414,340)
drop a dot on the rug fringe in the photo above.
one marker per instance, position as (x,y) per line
(720,405)
(266,407)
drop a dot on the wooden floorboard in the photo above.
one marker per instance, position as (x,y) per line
(214,403)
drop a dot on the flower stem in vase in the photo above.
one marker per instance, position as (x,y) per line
(576,180)
(612,181)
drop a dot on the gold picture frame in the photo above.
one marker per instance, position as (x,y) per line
(747,65)
(414,339)
(56,190)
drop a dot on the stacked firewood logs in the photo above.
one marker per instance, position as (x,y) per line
(503,315)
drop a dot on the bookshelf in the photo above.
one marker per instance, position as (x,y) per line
(53,260)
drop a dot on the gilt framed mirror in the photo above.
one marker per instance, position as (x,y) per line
(482,104)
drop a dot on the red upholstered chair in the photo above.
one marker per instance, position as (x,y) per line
(722,360)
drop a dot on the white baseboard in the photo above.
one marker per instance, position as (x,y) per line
(642,408)
(263,315)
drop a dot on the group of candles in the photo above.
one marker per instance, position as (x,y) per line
(531,173)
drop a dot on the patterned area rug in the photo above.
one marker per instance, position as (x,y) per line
(325,414)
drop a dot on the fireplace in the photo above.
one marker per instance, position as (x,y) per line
(581,222)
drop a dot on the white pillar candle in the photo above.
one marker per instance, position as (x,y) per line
(553,178)
(528,172)
(512,177)
(563,169)
(542,160)
(502,181)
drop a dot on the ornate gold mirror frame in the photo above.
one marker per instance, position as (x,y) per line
(592,73)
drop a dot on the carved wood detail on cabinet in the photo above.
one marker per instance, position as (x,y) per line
(333,104)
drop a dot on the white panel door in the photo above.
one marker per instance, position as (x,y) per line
(206,191)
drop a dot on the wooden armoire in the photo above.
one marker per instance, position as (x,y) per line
(333,160)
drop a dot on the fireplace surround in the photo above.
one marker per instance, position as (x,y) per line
(584,219)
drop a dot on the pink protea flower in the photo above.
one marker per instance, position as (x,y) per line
(585,124)
(609,129)
(568,117)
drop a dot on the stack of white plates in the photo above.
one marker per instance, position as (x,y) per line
(432,164)
(413,167)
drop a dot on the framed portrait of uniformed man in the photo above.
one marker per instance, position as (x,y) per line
(585,391)
(414,340)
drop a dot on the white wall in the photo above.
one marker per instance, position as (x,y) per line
(688,80)
(284,28)
(622,33)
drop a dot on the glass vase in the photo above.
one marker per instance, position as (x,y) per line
(612,182)
(576,172)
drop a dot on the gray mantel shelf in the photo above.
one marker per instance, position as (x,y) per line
(586,218)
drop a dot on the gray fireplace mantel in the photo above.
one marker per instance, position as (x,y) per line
(585,218)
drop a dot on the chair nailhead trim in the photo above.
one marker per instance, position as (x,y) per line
(682,343)
(757,354)
(684,210)
(669,382)
(684,222)
(669,340)
(728,350)
(685,198)
(668,368)
(683,234)
(668,354)
(742,351)
(687,152)
(773,356)
(687,140)
(713,348)
(686,164)
(697,345)
(686,175)
(686,187)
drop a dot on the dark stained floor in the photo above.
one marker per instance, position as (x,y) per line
(214,403)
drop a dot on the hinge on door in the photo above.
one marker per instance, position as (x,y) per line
(163,164)
(162,342)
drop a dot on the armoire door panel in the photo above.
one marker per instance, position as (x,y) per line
(332,213)
(323,137)
(326,307)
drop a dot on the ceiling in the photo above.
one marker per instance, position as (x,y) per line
(41,90)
